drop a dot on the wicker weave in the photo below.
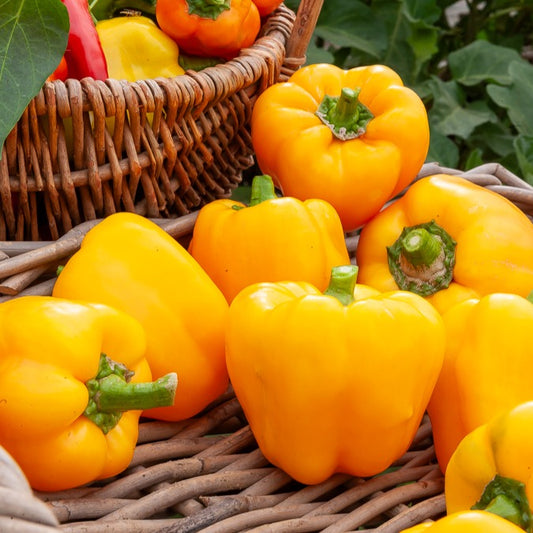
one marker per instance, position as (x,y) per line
(207,473)
(160,147)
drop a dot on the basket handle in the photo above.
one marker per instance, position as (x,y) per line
(303,28)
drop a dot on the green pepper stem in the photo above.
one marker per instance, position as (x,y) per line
(115,394)
(420,247)
(530,297)
(208,8)
(422,259)
(262,189)
(111,393)
(507,498)
(342,283)
(345,115)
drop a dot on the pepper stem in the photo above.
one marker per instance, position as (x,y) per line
(208,9)
(342,283)
(507,498)
(422,259)
(111,393)
(345,115)
(262,189)
(530,297)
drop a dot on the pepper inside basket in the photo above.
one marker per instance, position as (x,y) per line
(159,147)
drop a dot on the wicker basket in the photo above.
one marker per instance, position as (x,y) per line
(207,473)
(159,147)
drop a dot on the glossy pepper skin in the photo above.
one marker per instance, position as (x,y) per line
(272,239)
(491,248)
(136,49)
(50,352)
(467,522)
(486,367)
(491,467)
(266,7)
(130,263)
(352,137)
(210,28)
(318,380)
(84,54)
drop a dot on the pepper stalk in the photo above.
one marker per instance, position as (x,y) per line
(111,393)
(507,498)
(342,283)
(345,115)
(421,260)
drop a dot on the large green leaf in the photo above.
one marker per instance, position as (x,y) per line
(450,115)
(482,61)
(516,97)
(33,37)
(353,25)
(524,153)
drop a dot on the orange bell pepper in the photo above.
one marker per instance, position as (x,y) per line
(73,383)
(486,369)
(334,382)
(209,28)
(448,239)
(273,239)
(467,522)
(130,263)
(491,468)
(352,137)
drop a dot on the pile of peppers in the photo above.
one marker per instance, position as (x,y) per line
(333,359)
(141,39)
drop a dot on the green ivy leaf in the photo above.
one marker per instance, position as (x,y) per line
(450,115)
(353,25)
(33,38)
(442,150)
(516,97)
(523,145)
(482,61)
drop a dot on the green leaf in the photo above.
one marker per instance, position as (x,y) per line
(482,61)
(524,152)
(516,97)
(353,25)
(450,115)
(442,150)
(474,159)
(33,37)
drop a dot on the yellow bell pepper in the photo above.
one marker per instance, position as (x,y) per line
(486,370)
(491,468)
(130,263)
(73,383)
(335,381)
(467,522)
(135,48)
(354,138)
(448,239)
(273,239)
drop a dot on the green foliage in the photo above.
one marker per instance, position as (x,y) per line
(33,37)
(464,59)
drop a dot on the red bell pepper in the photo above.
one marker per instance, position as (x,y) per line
(84,54)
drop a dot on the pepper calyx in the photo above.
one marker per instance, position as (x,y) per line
(111,393)
(345,115)
(208,9)
(422,259)
(507,498)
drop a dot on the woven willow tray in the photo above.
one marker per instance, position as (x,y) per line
(159,147)
(207,474)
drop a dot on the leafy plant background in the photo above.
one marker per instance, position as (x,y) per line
(467,60)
